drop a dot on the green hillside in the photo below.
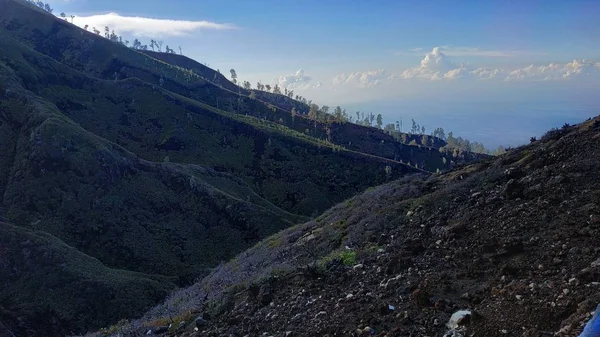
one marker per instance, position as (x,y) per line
(92,54)
(48,286)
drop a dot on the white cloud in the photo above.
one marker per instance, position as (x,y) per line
(147,27)
(472,51)
(365,79)
(436,65)
(555,71)
(296,81)
(487,73)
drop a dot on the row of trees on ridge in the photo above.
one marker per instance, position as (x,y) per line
(315,112)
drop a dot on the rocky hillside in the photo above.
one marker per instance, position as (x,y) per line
(510,241)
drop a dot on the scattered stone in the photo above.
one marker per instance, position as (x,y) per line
(161,329)
(200,322)
(420,297)
(265,298)
(459,318)
(368,331)
(320,314)
(513,190)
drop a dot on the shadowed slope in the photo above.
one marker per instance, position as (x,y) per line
(46,287)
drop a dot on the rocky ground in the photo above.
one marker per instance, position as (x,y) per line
(513,240)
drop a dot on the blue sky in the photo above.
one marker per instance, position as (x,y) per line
(428,60)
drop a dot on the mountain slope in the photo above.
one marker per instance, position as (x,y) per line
(160,218)
(130,113)
(63,177)
(92,54)
(146,167)
(137,176)
(511,239)
(47,286)
(351,136)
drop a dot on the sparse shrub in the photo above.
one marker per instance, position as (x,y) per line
(532,139)
(347,257)
(275,241)
(552,134)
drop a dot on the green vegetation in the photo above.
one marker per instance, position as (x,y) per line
(347,257)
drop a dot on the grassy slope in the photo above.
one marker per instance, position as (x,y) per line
(163,218)
(50,286)
(282,102)
(63,176)
(95,55)
(351,136)
(156,126)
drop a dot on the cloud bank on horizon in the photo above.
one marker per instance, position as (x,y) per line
(363,79)
(436,65)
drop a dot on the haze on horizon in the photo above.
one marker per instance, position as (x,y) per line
(494,72)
